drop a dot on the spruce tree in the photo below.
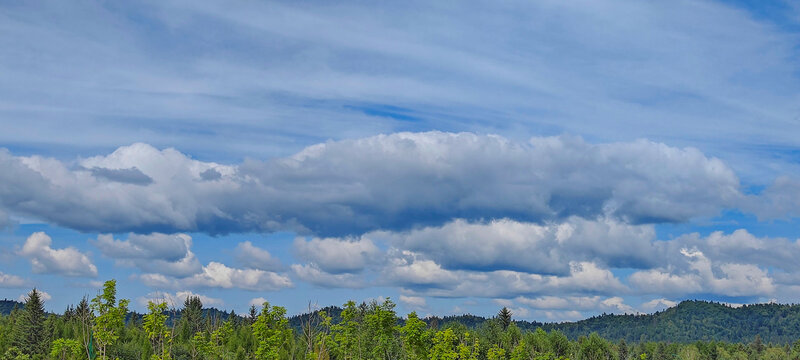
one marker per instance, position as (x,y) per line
(29,332)
(505,317)
(191,317)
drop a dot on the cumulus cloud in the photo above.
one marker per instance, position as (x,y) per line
(391,182)
(735,280)
(257,302)
(168,254)
(256,258)
(409,269)
(657,304)
(11,281)
(414,302)
(548,248)
(160,246)
(312,274)
(574,258)
(338,255)
(425,277)
(613,304)
(45,259)
(177,299)
(218,275)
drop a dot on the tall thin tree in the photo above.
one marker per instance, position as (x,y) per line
(505,317)
(30,335)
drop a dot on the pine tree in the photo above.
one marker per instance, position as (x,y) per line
(29,332)
(505,317)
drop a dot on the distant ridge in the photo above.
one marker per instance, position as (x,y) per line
(689,321)
(696,320)
(7,305)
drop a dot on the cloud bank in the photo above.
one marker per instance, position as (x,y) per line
(386,182)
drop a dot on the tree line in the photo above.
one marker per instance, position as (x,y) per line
(103,328)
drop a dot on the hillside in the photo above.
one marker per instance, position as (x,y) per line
(696,320)
(7,305)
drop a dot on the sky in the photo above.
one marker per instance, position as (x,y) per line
(563,159)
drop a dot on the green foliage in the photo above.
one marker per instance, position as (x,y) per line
(444,346)
(415,337)
(271,331)
(595,348)
(155,326)
(347,334)
(66,349)
(381,328)
(366,331)
(496,353)
(109,318)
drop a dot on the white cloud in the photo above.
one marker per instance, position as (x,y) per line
(44,259)
(157,280)
(657,304)
(176,300)
(389,182)
(617,304)
(161,246)
(414,302)
(310,273)
(560,316)
(338,255)
(218,275)
(257,302)
(256,258)
(613,304)
(154,253)
(505,244)
(11,281)
(736,279)
(464,258)
(424,277)
(406,269)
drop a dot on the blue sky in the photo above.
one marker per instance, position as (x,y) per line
(562,159)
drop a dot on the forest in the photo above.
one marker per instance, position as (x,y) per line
(103,328)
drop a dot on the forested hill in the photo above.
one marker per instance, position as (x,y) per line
(689,321)
(695,320)
(7,305)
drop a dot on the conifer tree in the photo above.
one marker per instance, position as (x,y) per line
(505,317)
(29,332)
(191,317)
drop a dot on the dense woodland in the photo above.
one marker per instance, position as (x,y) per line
(103,328)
